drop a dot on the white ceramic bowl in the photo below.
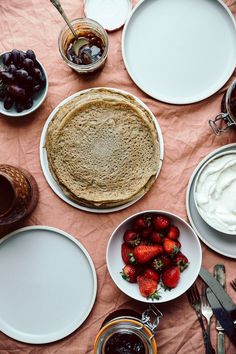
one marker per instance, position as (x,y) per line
(191,247)
(38,99)
(213,213)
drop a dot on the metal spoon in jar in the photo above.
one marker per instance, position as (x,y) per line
(79,41)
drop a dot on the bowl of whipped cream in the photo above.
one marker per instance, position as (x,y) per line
(215,192)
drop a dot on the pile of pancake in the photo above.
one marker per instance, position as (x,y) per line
(103,148)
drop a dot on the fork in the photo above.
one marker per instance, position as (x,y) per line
(206,310)
(195,302)
(233,284)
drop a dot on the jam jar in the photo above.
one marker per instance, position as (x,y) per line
(227,118)
(125,331)
(92,47)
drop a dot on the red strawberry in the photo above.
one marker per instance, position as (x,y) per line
(170,277)
(173,233)
(140,223)
(171,247)
(126,253)
(144,253)
(156,237)
(181,261)
(147,287)
(160,222)
(129,273)
(161,263)
(131,238)
(151,274)
(146,232)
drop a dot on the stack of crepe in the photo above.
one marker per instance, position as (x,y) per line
(103,148)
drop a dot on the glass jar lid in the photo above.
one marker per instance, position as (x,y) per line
(127,334)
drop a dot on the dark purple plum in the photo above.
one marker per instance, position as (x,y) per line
(6,77)
(31,55)
(16,92)
(15,54)
(19,106)
(21,74)
(36,88)
(8,102)
(28,103)
(6,58)
(28,64)
(12,69)
(37,73)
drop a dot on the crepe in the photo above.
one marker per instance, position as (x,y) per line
(103,148)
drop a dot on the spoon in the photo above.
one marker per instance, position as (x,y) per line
(79,41)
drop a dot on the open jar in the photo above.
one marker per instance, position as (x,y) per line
(227,118)
(91,52)
(126,331)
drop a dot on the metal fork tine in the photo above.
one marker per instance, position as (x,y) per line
(195,301)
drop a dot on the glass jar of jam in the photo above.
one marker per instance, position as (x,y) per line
(89,51)
(227,118)
(125,331)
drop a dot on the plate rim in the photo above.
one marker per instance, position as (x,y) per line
(114,28)
(37,339)
(44,161)
(187,199)
(178,101)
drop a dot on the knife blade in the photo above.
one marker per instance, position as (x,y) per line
(219,274)
(222,305)
(220,293)
(222,316)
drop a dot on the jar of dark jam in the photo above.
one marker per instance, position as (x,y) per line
(91,49)
(125,331)
(227,118)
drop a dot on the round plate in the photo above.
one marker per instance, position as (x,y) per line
(219,242)
(171,52)
(111,14)
(48,284)
(51,181)
(189,242)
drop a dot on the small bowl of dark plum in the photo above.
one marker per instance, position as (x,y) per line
(23,83)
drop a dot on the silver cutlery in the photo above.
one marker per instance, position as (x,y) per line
(195,301)
(219,274)
(233,284)
(206,309)
(221,303)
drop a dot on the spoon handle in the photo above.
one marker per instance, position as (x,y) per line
(59,8)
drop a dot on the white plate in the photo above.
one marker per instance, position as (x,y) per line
(48,284)
(51,181)
(190,247)
(219,242)
(180,51)
(111,14)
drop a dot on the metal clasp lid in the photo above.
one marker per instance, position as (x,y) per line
(225,117)
(151,318)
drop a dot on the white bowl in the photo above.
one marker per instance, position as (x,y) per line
(209,215)
(191,247)
(38,99)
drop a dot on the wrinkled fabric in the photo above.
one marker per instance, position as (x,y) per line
(187,138)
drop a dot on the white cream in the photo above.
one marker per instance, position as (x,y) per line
(215,193)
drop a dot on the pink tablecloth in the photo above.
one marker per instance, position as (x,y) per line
(32,24)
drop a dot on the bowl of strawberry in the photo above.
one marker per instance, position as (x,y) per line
(154,256)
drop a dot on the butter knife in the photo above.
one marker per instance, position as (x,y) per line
(219,274)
